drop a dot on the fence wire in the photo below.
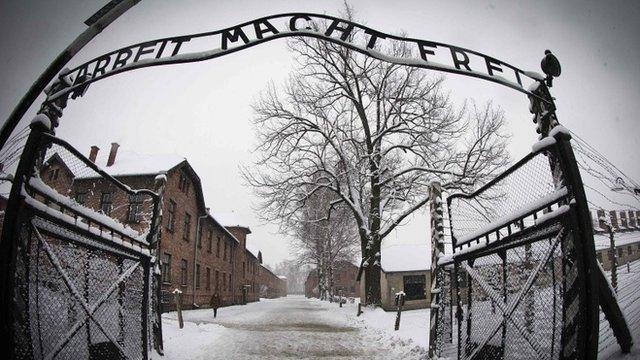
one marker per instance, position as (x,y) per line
(507,199)
(83,284)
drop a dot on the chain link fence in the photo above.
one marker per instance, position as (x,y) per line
(83,266)
(517,290)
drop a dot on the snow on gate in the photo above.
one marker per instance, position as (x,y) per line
(82,280)
(517,280)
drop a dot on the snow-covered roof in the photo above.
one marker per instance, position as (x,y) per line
(282,277)
(619,239)
(128,163)
(406,257)
(232,219)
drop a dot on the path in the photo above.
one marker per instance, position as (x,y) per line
(286,328)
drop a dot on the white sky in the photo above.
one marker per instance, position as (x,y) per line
(202,110)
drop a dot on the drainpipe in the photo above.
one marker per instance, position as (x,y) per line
(232,254)
(195,256)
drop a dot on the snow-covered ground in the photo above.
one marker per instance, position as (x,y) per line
(294,327)
(629,299)
(300,328)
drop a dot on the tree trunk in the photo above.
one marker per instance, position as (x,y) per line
(372,284)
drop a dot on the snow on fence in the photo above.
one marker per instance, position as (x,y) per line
(518,280)
(83,281)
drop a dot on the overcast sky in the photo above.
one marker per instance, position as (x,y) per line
(202,110)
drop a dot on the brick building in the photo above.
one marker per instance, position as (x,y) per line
(344,281)
(271,285)
(199,256)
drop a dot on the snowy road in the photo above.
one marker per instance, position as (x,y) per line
(287,328)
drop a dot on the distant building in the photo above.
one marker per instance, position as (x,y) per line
(405,268)
(627,248)
(311,285)
(344,281)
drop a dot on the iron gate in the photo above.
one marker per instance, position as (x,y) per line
(523,284)
(77,281)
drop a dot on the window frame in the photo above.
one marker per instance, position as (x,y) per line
(171,216)
(166,273)
(186,227)
(106,198)
(184,272)
(412,286)
(135,208)
(81,197)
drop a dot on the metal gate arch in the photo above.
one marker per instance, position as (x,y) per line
(28,221)
(81,285)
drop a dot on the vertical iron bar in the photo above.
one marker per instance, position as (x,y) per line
(86,294)
(145,308)
(503,255)
(121,303)
(469,312)
(8,243)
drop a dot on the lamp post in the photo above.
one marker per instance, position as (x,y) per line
(97,22)
(195,255)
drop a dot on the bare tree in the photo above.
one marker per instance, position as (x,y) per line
(372,133)
(323,242)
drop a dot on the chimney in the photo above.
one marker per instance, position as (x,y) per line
(113,153)
(94,153)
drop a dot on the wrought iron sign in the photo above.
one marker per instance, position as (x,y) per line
(208,45)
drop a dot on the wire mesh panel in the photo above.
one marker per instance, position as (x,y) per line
(528,187)
(520,279)
(83,300)
(82,274)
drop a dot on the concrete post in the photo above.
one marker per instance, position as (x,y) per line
(178,299)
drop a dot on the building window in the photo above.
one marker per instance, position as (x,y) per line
(224,281)
(106,202)
(217,288)
(225,252)
(209,241)
(244,273)
(218,247)
(183,272)
(197,276)
(414,287)
(135,208)
(53,174)
(629,250)
(166,268)
(171,216)
(620,252)
(186,230)
(229,282)
(208,279)
(81,198)
(184,183)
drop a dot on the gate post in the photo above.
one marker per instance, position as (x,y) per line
(40,125)
(566,173)
(154,245)
(436,274)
